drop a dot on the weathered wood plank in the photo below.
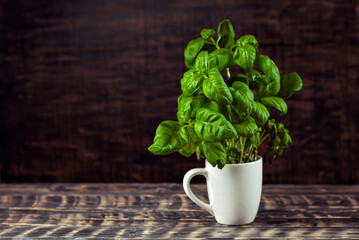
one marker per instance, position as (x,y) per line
(275,218)
(143,211)
(167,201)
(182,232)
(194,232)
(160,188)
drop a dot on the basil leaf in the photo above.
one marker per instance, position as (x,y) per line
(225,34)
(188,107)
(272,153)
(279,139)
(255,139)
(169,137)
(191,147)
(255,78)
(289,84)
(272,85)
(237,115)
(206,33)
(246,128)
(212,126)
(220,108)
(238,77)
(245,56)
(219,58)
(280,127)
(216,89)
(201,63)
(259,113)
(242,97)
(248,39)
(272,127)
(214,152)
(286,140)
(191,51)
(188,150)
(275,102)
(181,100)
(192,134)
(191,82)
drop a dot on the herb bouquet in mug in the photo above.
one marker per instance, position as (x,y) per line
(224,118)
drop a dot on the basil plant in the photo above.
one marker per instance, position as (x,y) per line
(222,117)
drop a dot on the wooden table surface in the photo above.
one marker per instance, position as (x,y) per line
(146,211)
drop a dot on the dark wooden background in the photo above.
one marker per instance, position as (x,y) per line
(84,84)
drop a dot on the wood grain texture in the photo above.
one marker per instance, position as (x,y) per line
(84,84)
(163,211)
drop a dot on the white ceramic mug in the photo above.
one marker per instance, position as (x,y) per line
(234,192)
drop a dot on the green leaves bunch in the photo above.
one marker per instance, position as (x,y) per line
(225,121)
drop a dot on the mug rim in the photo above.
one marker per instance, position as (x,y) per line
(241,164)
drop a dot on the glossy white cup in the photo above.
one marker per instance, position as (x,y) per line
(234,192)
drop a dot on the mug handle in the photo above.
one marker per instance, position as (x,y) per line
(187,188)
